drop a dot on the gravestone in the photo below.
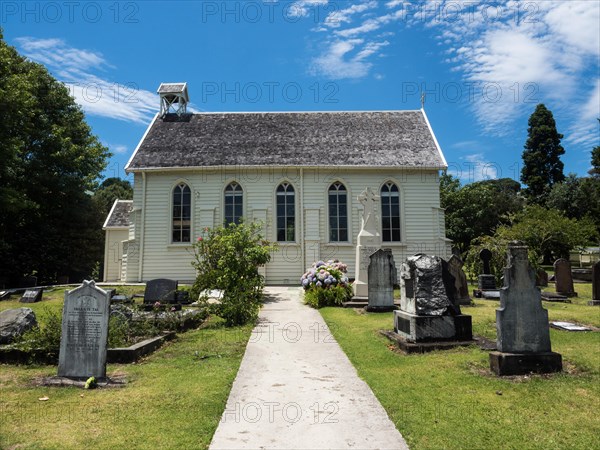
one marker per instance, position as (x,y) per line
(29,281)
(563,278)
(368,242)
(84,335)
(32,296)
(160,290)
(541,278)
(595,285)
(523,335)
(4,295)
(568,326)
(382,278)
(486,281)
(427,309)
(461,287)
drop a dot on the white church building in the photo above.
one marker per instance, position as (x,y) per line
(299,173)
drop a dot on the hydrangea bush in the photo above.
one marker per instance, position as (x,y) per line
(326,284)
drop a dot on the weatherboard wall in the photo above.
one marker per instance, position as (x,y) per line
(422,218)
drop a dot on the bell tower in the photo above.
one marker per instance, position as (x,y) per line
(173,98)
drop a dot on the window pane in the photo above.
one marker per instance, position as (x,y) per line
(281,235)
(290,209)
(386,235)
(343,235)
(333,235)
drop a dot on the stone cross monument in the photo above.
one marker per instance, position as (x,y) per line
(368,241)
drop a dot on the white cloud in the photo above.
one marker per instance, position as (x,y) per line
(119,149)
(585,129)
(339,61)
(97,95)
(336,18)
(372,24)
(476,168)
(300,8)
(538,52)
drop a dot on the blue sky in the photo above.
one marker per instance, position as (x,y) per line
(483,65)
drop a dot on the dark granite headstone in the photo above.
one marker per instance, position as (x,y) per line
(4,295)
(564,278)
(160,290)
(84,337)
(523,336)
(428,312)
(595,285)
(486,256)
(29,281)
(461,287)
(382,278)
(486,282)
(32,296)
(541,278)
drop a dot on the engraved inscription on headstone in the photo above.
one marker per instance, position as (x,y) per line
(84,335)
(32,296)
(365,256)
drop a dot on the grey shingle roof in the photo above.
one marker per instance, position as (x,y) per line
(386,138)
(118,216)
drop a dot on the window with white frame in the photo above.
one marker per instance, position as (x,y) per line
(338,213)
(390,213)
(182,213)
(286,213)
(234,198)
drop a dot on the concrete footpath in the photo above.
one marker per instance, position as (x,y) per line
(296,389)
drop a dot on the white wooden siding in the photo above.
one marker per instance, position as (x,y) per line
(113,253)
(422,230)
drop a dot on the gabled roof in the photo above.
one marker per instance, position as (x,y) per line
(118,217)
(372,139)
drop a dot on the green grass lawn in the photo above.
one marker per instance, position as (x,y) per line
(450,399)
(173,399)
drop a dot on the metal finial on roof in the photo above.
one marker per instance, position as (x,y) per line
(423,100)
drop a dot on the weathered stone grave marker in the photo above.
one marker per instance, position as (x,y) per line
(427,309)
(15,322)
(382,278)
(541,278)
(368,242)
(563,278)
(84,332)
(523,340)
(160,290)
(486,281)
(595,285)
(461,287)
(568,326)
(32,296)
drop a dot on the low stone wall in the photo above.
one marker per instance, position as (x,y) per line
(123,355)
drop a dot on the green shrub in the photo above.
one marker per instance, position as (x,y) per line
(228,258)
(326,284)
(330,296)
(46,336)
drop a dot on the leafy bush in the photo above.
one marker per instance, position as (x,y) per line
(46,336)
(228,258)
(326,284)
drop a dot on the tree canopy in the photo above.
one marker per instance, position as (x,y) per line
(542,167)
(476,209)
(50,163)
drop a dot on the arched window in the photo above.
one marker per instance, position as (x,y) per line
(390,213)
(182,213)
(338,213)
(286,213)
(234,197)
